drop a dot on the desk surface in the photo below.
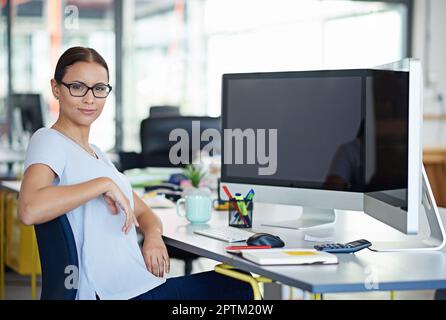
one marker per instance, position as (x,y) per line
(363,271)
(13,186)
(10,156)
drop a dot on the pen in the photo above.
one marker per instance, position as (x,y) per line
(228,193)
(241,212)
(226,190)
(232,199)
(242,205)
(248,198)
(250,195)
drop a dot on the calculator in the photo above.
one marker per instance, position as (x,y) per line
(349,247)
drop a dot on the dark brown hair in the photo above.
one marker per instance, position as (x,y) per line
(76,54)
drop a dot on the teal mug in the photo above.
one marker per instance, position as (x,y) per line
(198,207)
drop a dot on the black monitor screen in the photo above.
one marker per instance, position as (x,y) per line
(321,130)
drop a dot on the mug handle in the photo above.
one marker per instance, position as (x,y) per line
(179,202)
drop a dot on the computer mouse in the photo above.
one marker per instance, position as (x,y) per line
(265,239)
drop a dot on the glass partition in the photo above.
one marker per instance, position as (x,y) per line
(177,51)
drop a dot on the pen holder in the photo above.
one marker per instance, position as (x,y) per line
(236,219)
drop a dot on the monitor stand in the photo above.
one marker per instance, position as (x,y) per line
(436,239)
(311,217)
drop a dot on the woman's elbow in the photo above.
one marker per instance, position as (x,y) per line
(25,214)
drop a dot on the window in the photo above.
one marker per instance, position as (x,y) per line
(91,24)
(4,77)
(178,50)
(42,30)
(175,51)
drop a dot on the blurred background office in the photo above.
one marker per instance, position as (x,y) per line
(166,58)
(173,52)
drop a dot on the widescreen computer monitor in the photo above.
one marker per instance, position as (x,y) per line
(336,139)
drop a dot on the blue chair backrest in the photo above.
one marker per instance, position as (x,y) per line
(440,294)
(57,249)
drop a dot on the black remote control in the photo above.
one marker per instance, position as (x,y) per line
(349,247)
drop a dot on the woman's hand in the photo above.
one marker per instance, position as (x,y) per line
(115,198)
(156,256)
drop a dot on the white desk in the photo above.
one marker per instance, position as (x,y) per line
(11,156)
(362,271)
(13,186)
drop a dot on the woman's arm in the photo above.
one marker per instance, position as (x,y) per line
(149,223)
(40,201)
(154,250)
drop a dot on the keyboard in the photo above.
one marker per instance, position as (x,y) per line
(229,234)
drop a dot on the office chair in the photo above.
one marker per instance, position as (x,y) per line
(164,111)
(154,137)
(155,144)
(131,160)
(440,294)
(57,249)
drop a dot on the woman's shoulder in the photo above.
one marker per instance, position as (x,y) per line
(46,147)
(45,132)
(45,136)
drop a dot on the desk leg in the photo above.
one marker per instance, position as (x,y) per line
(291,294)
(2,243)
(272,291)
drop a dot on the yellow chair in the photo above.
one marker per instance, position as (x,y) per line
(20,250)
(2,242)
(229,271)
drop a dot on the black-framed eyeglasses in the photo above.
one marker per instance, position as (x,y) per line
(79,89)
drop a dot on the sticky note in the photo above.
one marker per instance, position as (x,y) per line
(300,253)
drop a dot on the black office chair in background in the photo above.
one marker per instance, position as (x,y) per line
(57,249)
(154,138)
(132,160)
(164,111)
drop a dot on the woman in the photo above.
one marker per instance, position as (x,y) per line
(64,174)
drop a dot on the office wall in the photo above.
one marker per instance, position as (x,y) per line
(430,47)
(437,50)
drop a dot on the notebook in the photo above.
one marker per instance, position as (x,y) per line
(290,256)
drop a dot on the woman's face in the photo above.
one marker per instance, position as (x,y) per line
(84,110)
